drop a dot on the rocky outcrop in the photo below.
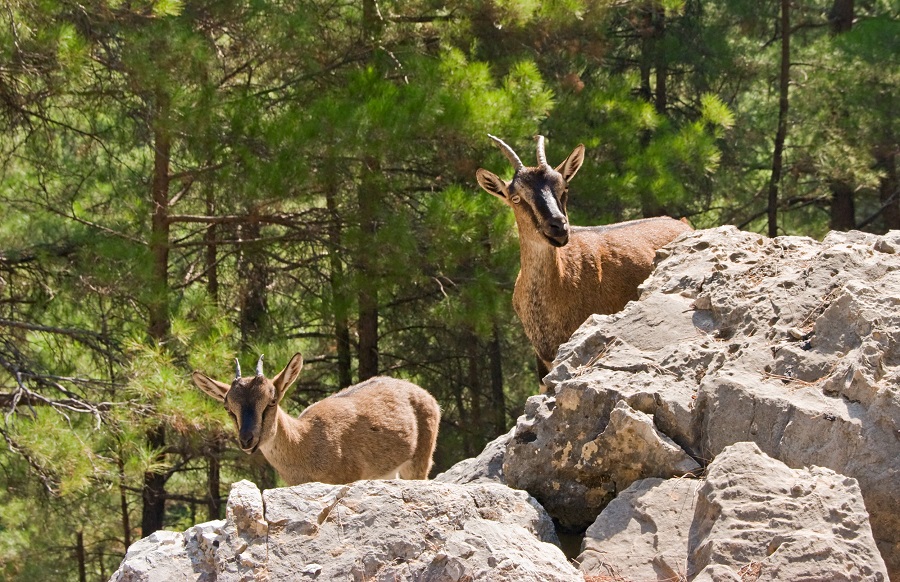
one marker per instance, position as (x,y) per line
(750,518)
(485,468)
(789,343)
(369,530)
(788,346)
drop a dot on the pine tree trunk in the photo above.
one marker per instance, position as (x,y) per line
(888,185)
(371,22)
(367,327)
(79,556)
(781,134)
(339,300)
(843,212)
(652,26)
(103,575)
(463,425)
(841,16)
(254,279)
(123,502)
(495,353)
(159,227)
(646,62)
(213,481)
(154,493)
(212,271)
(475,353)
(661,98)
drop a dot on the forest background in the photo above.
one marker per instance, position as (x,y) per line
(186,181)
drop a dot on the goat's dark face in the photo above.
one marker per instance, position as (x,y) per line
(538,195)
(252,401)
(252,404)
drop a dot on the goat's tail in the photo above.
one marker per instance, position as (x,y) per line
(428,419)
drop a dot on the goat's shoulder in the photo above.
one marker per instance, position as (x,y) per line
(377,385)
(656,232)
(375,401)
(662,224)
(627,244)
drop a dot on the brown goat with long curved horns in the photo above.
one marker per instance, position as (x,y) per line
(569,272)
(382,428)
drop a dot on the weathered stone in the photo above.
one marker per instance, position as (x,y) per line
(162,557)
(797,524)
(584,447)
(168,555)
(788,342)
(242,555)
(643,533)
(369,530)
(750,518)
(386,530)
(229,549)
(486,467)
(630,448)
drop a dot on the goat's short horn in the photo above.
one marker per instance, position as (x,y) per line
(237,369)
(509,153)
(541,156)
(259,371)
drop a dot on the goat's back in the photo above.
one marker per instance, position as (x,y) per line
(370,429)
(600,270)
(626,252)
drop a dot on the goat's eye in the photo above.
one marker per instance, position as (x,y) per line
(516,198)
(273,404)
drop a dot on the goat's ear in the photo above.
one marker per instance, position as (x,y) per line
(570,167)
(213,388)
(287,376)
(492,184)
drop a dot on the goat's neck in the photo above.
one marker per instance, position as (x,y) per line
(540,261)
(289,436)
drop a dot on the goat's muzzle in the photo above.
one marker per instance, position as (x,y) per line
(249,445)
(557,232)
(559,241)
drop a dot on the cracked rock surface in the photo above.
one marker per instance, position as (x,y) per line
(750,518)
(368,530)
(791,343)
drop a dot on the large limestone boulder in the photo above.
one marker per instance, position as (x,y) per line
(750,518)
(369,530)
(486,467)
(790,343)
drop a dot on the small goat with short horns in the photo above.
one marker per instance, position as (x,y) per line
(569,272)
(382,428)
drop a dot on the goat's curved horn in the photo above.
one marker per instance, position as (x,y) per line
(259,371)
(237,369)
(509,153)
(541,156)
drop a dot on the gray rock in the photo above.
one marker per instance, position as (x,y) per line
(643,533)
(751,518)
(171,556)
(576,450)
(797,524)
(790,343)
(368,530)
(486,467)
(631,448)
(408,530)
(242,555)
